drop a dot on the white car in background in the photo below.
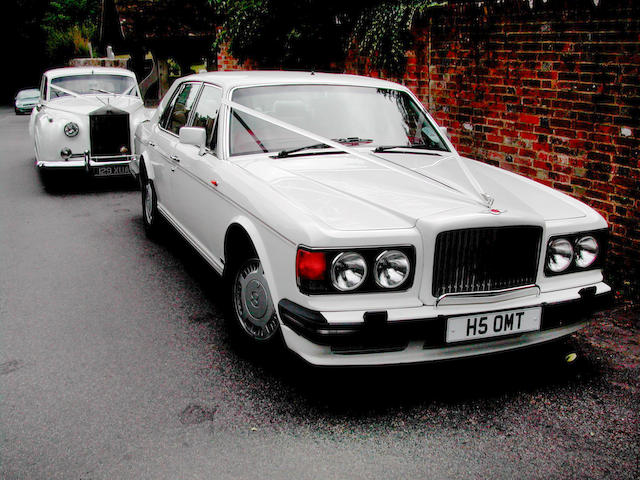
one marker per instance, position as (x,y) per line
(26,100)
(345,223)
(85,120)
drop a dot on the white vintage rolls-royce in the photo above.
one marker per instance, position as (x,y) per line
(345,224)
(85,120)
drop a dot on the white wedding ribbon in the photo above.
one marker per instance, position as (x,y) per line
(478,196)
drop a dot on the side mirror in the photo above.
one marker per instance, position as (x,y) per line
(445,132)
(194,136)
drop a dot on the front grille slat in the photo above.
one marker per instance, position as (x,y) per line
(485,259)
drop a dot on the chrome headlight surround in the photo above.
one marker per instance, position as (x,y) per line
(392,268)
(588,251)
(71,129)
(348,271)
(312,281)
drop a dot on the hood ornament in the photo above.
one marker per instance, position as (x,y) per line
(488,199)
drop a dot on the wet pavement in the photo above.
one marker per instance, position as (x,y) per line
(115,363)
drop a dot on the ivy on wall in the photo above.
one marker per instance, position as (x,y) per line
(383,32)
(318,33)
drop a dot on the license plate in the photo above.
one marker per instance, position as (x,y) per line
(493,324)
(110,170)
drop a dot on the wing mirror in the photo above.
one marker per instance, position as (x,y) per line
(445,132)
(196,136)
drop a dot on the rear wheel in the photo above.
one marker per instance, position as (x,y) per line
(252,311)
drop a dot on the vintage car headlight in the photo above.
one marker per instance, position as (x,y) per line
(586,251)
(71,129)
(391,269)
(559,255)
(348,271)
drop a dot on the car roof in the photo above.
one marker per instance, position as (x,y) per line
(231,79)
(66,71)
(28,91)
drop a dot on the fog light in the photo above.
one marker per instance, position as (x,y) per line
(65,153)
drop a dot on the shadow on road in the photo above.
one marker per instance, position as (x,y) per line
(79,183)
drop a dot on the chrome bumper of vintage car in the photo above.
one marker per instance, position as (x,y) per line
(91,164)
(377,340)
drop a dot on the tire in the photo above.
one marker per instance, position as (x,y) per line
(150,214)
(250,309)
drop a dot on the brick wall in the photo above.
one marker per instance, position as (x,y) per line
(552,93)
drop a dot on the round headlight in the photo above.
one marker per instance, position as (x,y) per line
(71,129)
(586,251)
(348,271)
(391,269)
(559,255)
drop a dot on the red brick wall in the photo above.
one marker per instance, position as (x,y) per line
(551,94)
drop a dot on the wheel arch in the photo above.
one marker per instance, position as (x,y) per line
(242,236)
(148,166)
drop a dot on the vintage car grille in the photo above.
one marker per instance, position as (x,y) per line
(485,259)
(109,133)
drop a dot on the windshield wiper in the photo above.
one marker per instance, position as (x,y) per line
(349,140)
(417,146)
(102,91)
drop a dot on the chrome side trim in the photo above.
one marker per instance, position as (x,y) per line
(464,298)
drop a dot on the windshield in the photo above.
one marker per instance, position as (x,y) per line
(93,84)
(374,116)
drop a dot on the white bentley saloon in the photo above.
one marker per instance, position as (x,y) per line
(345,224)
(85,119)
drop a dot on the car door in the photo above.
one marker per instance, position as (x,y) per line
(199,186)
(164,139)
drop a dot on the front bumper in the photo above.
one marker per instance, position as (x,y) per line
(93,165)
(378,340)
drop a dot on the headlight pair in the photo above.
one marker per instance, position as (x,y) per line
(358,270)
(572,253)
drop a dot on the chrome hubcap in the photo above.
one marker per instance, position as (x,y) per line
(148,202)
(252,301)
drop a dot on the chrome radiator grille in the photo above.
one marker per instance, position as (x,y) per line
(109,132)
(485,259)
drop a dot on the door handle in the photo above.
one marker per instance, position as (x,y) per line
(175,158)
(152,144)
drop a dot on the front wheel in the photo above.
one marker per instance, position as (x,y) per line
(252,309)
(150,215)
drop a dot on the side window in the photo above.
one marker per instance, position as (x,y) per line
(182,107)
(167,110)
(206,113)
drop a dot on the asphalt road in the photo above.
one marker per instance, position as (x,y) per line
(115,364)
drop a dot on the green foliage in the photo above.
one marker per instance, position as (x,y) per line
(314,33)
(69,26)
(383,32)
(307,34)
